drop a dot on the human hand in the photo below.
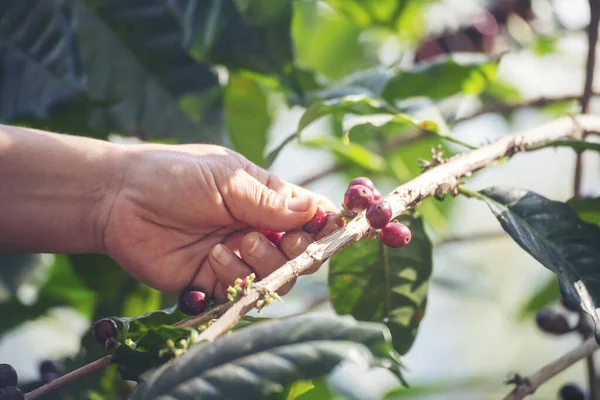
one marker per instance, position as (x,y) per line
(181,213)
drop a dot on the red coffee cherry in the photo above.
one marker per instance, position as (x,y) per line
(104,330)
(395,235)
(379,214)
(362,181)
(358,198)
(274,237)
(376,194)
(192,301)
(317,222)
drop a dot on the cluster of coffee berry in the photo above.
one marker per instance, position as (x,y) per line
(8,383)
(363,195)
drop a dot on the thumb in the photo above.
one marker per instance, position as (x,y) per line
(255,204)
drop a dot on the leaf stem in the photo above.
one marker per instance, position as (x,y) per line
(458,141)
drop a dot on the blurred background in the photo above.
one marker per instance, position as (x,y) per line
(242,73)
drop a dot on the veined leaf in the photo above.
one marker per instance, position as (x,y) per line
(146,97)
(353,152)
(236,33)
(442,79)
(555,236)
(40,64)
(381,284)
(265,358)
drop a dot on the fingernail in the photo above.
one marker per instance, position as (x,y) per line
(298,204)
(258,248)
(299,246)
(221,255)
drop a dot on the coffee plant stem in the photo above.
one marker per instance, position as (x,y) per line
(527,386)
(70,377)
(592,33)
(440,180)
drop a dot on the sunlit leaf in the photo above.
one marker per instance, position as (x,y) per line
(441,79)
(352,152)
(247,117)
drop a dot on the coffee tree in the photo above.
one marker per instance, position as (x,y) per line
(211,71)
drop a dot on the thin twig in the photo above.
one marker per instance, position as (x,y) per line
(527,386)
(592,33)
(94,366)
(472,237)
(439,180)
(70,377)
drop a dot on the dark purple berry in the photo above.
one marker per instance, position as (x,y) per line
(104,330)
(376,194)
(363,181)
(379,214)
(552,322)
(192,301)
(274,237)
(11,393)
(571,392)
(358,198)
(317,222)
(52,367)
(8,375)
(395,235)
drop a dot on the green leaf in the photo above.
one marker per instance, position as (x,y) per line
(247,116)
(381,284)
(151,350)
(588,209)
(543,45)
(135,327)
(141,300)
(543,296)
(342,53)
(555,236)
(40,64)
(320,391)
(352,152)
(442,79)
(146,86)
(352,104)
(237,34)
(265,358)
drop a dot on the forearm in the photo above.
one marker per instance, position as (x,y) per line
(55,191)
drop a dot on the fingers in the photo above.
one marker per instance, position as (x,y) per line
(263,257)
(259,206)
(227,267)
